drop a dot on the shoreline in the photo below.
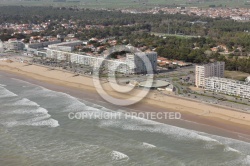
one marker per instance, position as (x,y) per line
(228,123)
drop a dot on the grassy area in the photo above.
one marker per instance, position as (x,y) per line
(175,35)
(237,75)
(127,3)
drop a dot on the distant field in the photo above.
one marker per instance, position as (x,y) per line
(175,35)
(237,75)
(127,3)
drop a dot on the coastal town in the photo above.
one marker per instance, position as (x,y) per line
(203,82)
(123,58)
(237,14)
(68,52)
(124,83)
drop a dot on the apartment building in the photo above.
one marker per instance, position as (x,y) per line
(14,45)
(228,86)
(41,44)
(65,46)
(208,70)
(141,62)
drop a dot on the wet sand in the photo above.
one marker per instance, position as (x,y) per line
(195,115)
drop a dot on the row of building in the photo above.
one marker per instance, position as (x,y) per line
(211,78)
(140,62)
(137,62)
(239,14)
(25,28)
(18,45)
(163,62)
(228,86)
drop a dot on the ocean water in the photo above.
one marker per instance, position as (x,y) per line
(35,130)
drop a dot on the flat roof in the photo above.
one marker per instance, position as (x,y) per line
(227,80)
(155,84)
(66,43)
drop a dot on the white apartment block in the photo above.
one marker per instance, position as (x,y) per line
(14,45)
(208,70)
(142,62)
(132,64)
(41,44)
(228,86)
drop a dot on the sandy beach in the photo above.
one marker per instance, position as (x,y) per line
(227,119)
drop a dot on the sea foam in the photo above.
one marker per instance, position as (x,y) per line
(147,145)
(118,156)
(145,125)
(38,111)
(229,149)
(48,123)
(30,113)
(25,102)
(4,93)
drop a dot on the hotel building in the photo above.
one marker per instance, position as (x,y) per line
(228,86)
(208,70)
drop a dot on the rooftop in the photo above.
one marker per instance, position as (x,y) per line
(228,80)
(155,84)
